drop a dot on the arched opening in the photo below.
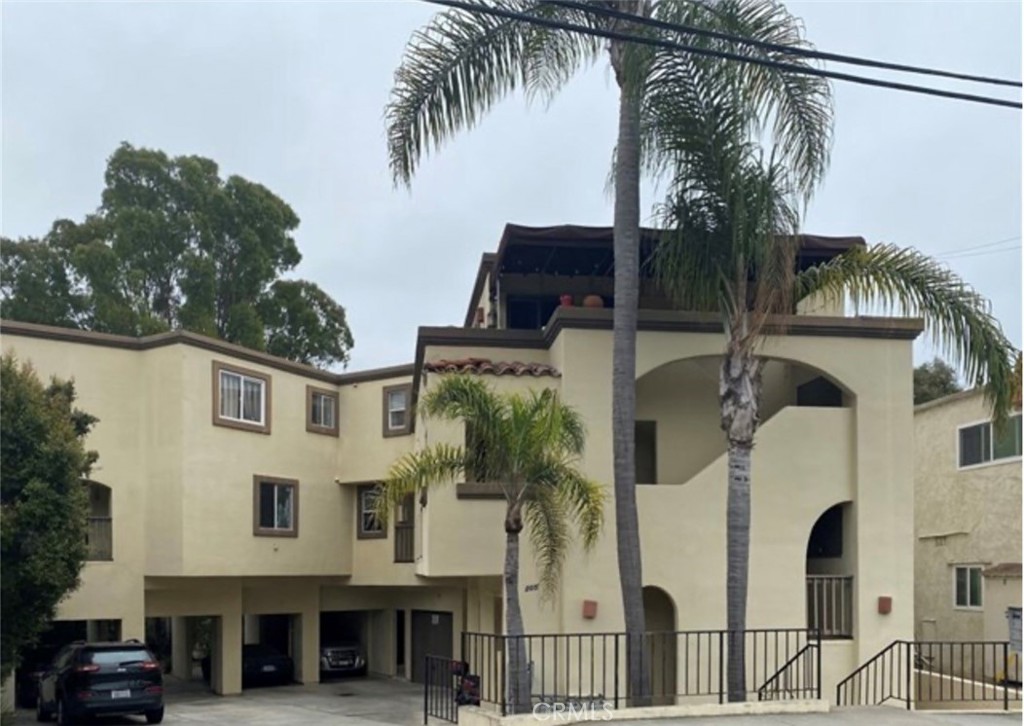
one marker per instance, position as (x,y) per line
(660,651)
(679,402)
(830,572)
(100,533)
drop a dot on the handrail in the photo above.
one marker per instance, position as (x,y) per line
(785,666)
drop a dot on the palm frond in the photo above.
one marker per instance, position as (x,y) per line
(547,527)
(462,63)
(416,471)
(957,317)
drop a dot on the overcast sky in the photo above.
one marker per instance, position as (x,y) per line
(291,94)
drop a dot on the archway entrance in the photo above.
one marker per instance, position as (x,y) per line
(829,573)
(661,648)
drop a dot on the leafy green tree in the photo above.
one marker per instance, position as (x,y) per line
(529,446)
(174,246)
(732,250)
(43,502)
(462,63)
(934,380)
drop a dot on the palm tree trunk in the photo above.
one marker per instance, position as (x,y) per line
(519,698)
(740,394)
(626,244)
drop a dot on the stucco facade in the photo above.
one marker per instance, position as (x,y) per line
(183,513)
(967,519)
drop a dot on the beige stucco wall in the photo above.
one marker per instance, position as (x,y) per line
(970,516)
(1000,594)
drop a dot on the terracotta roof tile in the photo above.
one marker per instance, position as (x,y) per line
(485,366)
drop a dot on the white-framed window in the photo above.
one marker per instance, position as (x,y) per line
(397,417)
(241,398)
(370,526)
(321,411)
(967,586)
(979,443)
(276,506)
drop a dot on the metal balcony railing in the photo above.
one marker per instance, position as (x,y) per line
(830,605)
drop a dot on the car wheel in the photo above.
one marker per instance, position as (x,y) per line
(155,715)
(42,714)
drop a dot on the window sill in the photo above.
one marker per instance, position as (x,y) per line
(275,533)
(322,430)
(479,490)
(994,462)
(969,608)
(372,535)
(238,424)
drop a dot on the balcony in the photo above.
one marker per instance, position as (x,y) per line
(830,605)
(405,532)
(100,539)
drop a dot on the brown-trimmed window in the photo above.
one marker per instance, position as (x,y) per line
(241,398)
(397,413)
(275,507)
(369,525)
(321,411)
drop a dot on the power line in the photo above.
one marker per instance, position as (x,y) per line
(801,52)
(957,250)
(655,42)
(978,254)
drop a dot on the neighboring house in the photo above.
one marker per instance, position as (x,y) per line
(967,568)
(235,485)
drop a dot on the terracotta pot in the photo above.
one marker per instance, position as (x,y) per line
(593,301)
(566,301)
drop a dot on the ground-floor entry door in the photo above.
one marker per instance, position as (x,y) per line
(431,635)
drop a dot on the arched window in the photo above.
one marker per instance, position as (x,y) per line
(100,533)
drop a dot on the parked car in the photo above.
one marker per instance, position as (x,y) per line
(342,659)
(101,679)
(261,665)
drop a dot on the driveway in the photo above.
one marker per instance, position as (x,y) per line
(362,702)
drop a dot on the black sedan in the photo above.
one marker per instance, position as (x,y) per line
(261,666)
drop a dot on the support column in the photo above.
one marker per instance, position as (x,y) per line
(306,645)
(226,659)
(181,648)
(250,629)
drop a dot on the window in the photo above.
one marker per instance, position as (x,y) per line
(980,444)
(275,507)
(646,452)
(241,398)
(397,417)
(321,411)
(476,457)
(369,526)
(967,586)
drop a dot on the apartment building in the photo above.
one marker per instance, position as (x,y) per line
(967,481)
(236,486)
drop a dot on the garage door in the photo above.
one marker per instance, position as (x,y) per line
(431,635)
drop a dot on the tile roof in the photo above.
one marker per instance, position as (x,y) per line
(1004,569)
(482,366)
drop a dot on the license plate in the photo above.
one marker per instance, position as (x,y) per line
(121,694)
(269,669)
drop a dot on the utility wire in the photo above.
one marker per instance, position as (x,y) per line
(977,254)
(958,250)
(655,42)
(802,52)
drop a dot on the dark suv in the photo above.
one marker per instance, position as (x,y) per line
(101,679)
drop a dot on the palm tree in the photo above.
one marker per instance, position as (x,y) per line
(462,63)
(732,212)
(529,445)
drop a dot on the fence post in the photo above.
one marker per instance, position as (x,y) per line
(617,666)
(721,667)
(426,689)
(817,649)
(910,670)
(1006,675)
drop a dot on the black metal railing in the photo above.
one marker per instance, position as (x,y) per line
(799,677)
(923,674)
(441,685)
(405,543)
(830,605)
(100,538)
(591,669)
